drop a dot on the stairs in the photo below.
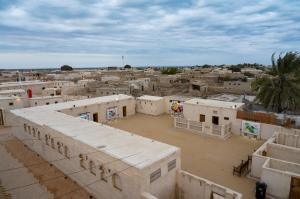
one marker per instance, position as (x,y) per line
(3,193)
(12,181)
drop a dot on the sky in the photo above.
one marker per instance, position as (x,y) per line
(95,33)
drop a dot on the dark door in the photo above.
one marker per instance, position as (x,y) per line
(1,118)
(95,117)
(295,188)
(124,111)
(215,120)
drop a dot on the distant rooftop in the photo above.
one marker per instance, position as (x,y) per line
(214,103)
(150,98)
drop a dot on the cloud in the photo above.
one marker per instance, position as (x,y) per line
(160,31)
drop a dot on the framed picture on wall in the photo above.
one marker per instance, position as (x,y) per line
(111,113)
(250,128)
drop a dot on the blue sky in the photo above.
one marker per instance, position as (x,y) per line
(50,33)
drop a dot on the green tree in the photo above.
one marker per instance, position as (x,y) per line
(281,89)
(127,66)
(169,71)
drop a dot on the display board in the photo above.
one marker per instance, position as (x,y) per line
(111,113)
(252,128)
(86,116)
(176,107)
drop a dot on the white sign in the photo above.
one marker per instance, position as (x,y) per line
(249,127)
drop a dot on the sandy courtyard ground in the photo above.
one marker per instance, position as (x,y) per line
(206,157)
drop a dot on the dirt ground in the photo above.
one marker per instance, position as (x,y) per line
(209,158)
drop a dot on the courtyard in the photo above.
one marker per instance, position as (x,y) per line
(209,158)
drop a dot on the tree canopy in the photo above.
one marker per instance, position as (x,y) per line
(169,71)
(127,66)
(66,68)
(280,90)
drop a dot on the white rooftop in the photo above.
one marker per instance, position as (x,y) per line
(24,83)
(134,150)
(214,103)
(5,92)
(150,98)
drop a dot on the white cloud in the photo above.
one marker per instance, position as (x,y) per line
(140,27)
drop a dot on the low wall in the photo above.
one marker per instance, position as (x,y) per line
(193,187)
(277,175)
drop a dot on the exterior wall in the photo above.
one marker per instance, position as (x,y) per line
(192,112)
(150,107)
(277,175)
(193,187)
(101,109)
(51,92)
(164,186)
(40,101)
(266,130)
(130,176)
(112,91)
(13,103)
(36,88)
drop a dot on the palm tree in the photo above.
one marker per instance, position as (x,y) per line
(281,89)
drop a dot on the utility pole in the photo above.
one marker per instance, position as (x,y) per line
(123,60)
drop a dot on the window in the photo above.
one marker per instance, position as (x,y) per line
(202,118)
(33,132)
(25,127)
(29,130)
(66,152)
(52,143)
(59,147)
(11,103)
(92,167)
(56,102)
(171,165)
(35,103)
(47,103)
(226,118)
(39,135)
(102,173)
(47,139)
(215,112)
(116,180)
(81,161)
(155,175)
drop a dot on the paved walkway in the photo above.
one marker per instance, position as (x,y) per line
(14,180)
(48,176)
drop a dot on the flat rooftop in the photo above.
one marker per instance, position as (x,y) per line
(25,83)
(214,103)
(150,98)
(140,152)
(5,92)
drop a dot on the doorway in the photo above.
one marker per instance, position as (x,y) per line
(124,111)
(1,118)
(215,120)
(295,188)
(95,117)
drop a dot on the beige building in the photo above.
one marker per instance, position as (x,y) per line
(210,117)
(150,105)
(277,163)
(109,162)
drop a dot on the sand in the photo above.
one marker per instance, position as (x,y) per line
(206,157)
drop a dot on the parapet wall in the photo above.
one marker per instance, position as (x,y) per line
(190,186)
